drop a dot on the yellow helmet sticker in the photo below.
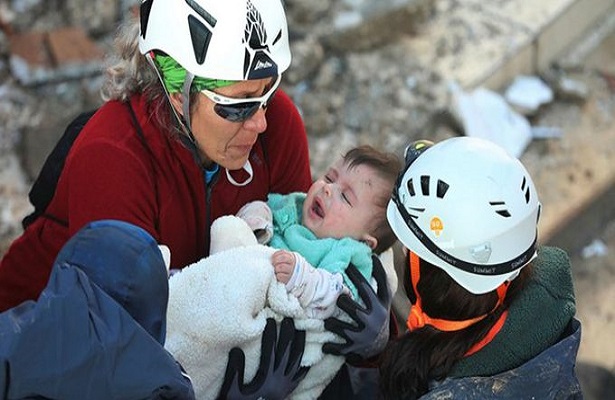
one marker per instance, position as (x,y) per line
(436,226)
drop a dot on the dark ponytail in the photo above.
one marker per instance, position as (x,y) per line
(411,361)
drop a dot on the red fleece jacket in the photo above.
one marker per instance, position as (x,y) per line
(110,174)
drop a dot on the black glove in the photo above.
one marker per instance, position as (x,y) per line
(279,371)
(370,333)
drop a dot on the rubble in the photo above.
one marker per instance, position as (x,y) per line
(486,114)
(527,94)
(57,55)
(363,72)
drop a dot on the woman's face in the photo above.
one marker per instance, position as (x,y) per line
(220,141)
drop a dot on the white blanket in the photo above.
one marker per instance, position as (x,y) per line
(223,301)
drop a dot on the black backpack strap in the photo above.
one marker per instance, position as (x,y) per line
(44,187)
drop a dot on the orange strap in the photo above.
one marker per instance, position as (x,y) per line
(418,319)
(495,329)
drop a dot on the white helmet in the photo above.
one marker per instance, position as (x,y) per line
(218,39)
(468,207)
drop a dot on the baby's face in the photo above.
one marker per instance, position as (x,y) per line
(344,202)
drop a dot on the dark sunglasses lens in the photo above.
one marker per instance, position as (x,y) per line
(237,112)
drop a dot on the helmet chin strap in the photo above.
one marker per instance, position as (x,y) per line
(183,123)
(186,102)
(246,167)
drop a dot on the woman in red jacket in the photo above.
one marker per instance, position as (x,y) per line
(193,128)
(142,160)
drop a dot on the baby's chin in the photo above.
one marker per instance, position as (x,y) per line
(313,227)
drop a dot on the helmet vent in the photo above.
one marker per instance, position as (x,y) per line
(414,211)
(425,185)
(201,11)
(503,212)
(201,35)
(441,189)
(278,37)
(410,186)
(146,7)
(525,188)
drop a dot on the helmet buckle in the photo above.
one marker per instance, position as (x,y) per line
(481,253)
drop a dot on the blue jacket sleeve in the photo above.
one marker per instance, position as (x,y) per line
(76,342)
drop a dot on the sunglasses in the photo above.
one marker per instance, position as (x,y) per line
(239,110)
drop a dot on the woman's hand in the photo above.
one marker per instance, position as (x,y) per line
(370,331)
(279,371)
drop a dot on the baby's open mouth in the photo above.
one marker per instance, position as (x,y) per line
(317,209)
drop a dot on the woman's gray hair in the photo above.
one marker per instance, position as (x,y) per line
(128,72)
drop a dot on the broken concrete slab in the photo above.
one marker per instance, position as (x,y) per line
(29,60)
(49,56)
(73,53)
(374,24)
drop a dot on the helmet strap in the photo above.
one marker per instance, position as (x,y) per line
(186,102)
(495,329)
(184,124)
(480,269)
(417,318)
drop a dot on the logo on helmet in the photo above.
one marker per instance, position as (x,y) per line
(258,64)
(436,226)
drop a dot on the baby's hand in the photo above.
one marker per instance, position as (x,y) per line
(284,264)
(257,215)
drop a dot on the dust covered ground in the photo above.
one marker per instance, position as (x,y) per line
(575,177)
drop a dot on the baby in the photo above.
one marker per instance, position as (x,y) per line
(340,220)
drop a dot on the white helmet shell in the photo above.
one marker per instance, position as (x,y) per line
(468,207)
(230,39)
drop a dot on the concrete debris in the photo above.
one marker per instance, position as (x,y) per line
(486,114)
(597,248)
(527,94)
(567,84)
(60,54)
(571,89)
(610,80)
(367,25)
(546,132)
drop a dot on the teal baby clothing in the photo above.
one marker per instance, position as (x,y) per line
(330,254)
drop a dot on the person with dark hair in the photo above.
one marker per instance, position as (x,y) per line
(492,312)
(193,127)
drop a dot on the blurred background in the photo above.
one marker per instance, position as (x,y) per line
(537,76)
